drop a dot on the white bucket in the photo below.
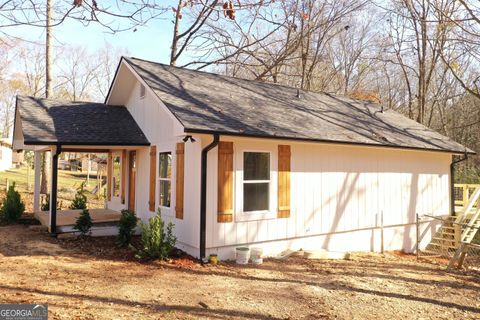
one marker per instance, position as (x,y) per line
(256,255)
(242,255)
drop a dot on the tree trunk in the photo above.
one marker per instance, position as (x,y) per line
(48,51)
(44,182)
(176,28)
(48,85)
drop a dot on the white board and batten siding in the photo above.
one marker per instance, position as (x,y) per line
(339,195)
(163,131)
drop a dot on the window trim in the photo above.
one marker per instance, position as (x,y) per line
(270,213)
(158,178)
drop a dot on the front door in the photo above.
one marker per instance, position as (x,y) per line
(131,178)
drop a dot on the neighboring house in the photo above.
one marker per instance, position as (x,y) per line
(18,159)
(6,154)
(89,160)
(234,162)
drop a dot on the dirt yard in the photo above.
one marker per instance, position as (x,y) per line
(93,280)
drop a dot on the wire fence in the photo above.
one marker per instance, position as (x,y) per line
(438,239)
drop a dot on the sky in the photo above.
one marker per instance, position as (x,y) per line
(150,42)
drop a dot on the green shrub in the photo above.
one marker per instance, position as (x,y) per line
(45,203)
(13,206)
(126,228)
(80,200)
(156,241)
(84,223)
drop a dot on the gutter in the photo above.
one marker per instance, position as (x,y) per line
(203,194)
(334,142)
(452,181)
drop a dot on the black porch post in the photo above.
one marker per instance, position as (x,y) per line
(53,192)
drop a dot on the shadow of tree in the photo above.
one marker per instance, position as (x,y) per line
(191,310)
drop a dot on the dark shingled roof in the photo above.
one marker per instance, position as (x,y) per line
(210,103)
(46,121)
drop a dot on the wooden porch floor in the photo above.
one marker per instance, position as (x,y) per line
(68,217)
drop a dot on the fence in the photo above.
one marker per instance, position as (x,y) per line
(446,233)
(444,241)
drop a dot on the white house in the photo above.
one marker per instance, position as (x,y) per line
(5,154)
(233,162)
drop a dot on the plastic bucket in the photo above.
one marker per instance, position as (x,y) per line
(256,255)
(242,255)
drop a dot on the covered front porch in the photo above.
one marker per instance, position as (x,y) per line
(105,221)
(48,129)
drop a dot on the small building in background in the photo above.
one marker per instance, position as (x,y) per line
(5,154)
(18,159)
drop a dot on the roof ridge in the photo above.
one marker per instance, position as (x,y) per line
(236,78)
(67,101)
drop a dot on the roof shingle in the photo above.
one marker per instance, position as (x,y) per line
(206,102)
(46,121)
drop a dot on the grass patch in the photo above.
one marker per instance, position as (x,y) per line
(68,182)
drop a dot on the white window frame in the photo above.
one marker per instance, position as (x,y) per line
(242,215)
(165,179)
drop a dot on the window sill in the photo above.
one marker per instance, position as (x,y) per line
(254,216)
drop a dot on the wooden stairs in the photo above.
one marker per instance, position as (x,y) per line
(457,232)
(443,242)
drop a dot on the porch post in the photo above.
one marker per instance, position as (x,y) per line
(53,190)
(37,181)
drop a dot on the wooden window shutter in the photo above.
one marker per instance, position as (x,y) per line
(284,155)
(153,178)
(124,175)
(225,181)
(179,181)
(109,176)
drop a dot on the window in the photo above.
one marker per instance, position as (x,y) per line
(165,178)
(116,176)
(142,91)
(256,181)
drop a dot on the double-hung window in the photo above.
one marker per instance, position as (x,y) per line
(256,181)
(165,178)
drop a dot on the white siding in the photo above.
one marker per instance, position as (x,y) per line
(164,131)
(339,195)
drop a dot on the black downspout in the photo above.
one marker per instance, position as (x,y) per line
(452,182)
(53,192)
(203,194)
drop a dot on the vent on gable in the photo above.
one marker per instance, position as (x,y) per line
(142,91)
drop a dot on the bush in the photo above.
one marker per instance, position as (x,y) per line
(80,200)
(126,228)
(12,207)
(45,203)
(156,241)
(84,223)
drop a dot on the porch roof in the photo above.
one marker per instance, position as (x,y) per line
(50,122)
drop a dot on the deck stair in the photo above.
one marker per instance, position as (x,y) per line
(457,229)
(443,242)
(469,223)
